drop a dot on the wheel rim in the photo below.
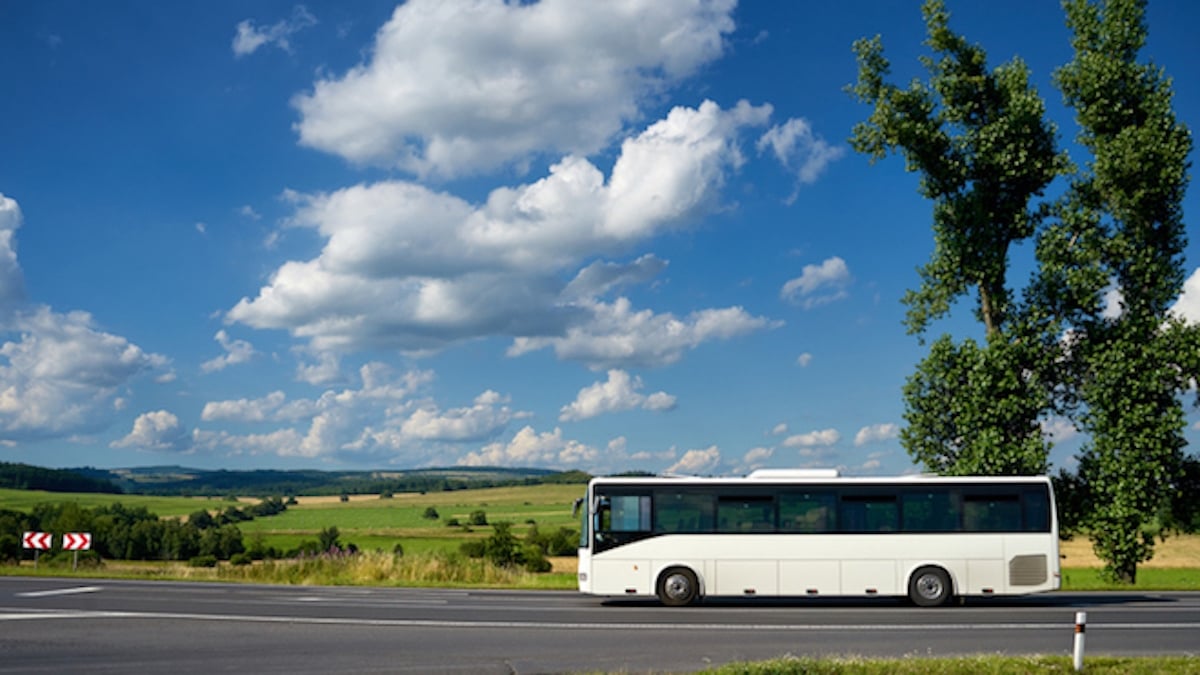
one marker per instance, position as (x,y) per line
(930,587)
(678,587)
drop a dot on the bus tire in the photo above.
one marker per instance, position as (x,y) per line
(930,587)
(677,586)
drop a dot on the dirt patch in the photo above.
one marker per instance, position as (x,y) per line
(1177,551)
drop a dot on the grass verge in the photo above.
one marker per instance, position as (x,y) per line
(991,664)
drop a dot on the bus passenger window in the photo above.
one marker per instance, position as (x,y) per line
(806,511)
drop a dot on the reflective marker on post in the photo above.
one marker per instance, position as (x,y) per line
(1080,629)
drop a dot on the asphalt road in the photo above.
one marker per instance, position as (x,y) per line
(103,626)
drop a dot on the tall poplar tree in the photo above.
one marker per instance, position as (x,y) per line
(984,149)
(1112,267)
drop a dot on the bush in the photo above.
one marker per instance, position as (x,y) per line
(241,559)
(398,549)
(453,522)
(430,514)
(203,561)
(478,518)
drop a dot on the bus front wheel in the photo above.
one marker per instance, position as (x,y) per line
(930,587)
(677,587)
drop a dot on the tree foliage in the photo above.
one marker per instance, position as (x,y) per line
(1122,236)
(984,150)
(1091,336)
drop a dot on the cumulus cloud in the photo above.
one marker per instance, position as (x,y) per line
(695,462)
(159,431)
(236,351)
(248,37)
(617,336)
(336,422)
(619,392)
(1187,307)
(800,150)
(813,439)
(12,282)
(876,433)
(459,86)
(487,417)
(529,448)
(64,375)
(804,360)
(819,284)
(1059,429)
(406,267)
(60,374)
(755,458)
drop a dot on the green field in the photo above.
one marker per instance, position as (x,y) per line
(167,507)
(373,523)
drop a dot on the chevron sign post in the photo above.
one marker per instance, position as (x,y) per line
(77,541)
(38,541)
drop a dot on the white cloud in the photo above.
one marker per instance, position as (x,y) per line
(755,458)
(63,375)
(528,448)
(813,439)
(804,360)
(617,336)
(1058,429)
(486,418)
(244,410)
(248,38)
(619,392)
(819,284)
(338,421)
(12,282)
(158,430)
(800,150)
(1188,305)
(405,267)
(236,351)
(779,429)
(454,86)
(696,462)
(876,433)
(1114,303)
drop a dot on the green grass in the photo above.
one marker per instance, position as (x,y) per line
(993,664)
(1148,579)
(168,507)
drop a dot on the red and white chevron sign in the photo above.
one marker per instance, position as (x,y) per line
(77,541)
(38,540)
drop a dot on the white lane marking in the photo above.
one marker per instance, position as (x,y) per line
(59,591)
(740,627)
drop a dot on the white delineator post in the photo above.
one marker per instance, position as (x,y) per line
(1080,629)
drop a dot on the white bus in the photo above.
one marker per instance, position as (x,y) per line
(800,533)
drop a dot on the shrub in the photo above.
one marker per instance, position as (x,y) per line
(398,549)
(430,513)
(203,561)
(240,559)
(479,518)
(453,522)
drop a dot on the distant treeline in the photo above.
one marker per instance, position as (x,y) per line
(135,533)
(179,481)
(27,477)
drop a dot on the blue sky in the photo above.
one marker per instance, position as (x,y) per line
(605,236)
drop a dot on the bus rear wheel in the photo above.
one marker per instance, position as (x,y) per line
(930,587)
(678,587)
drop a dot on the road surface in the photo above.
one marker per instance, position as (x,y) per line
(105,626)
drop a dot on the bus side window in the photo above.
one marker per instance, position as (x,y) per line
(806,511)
(991,513)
